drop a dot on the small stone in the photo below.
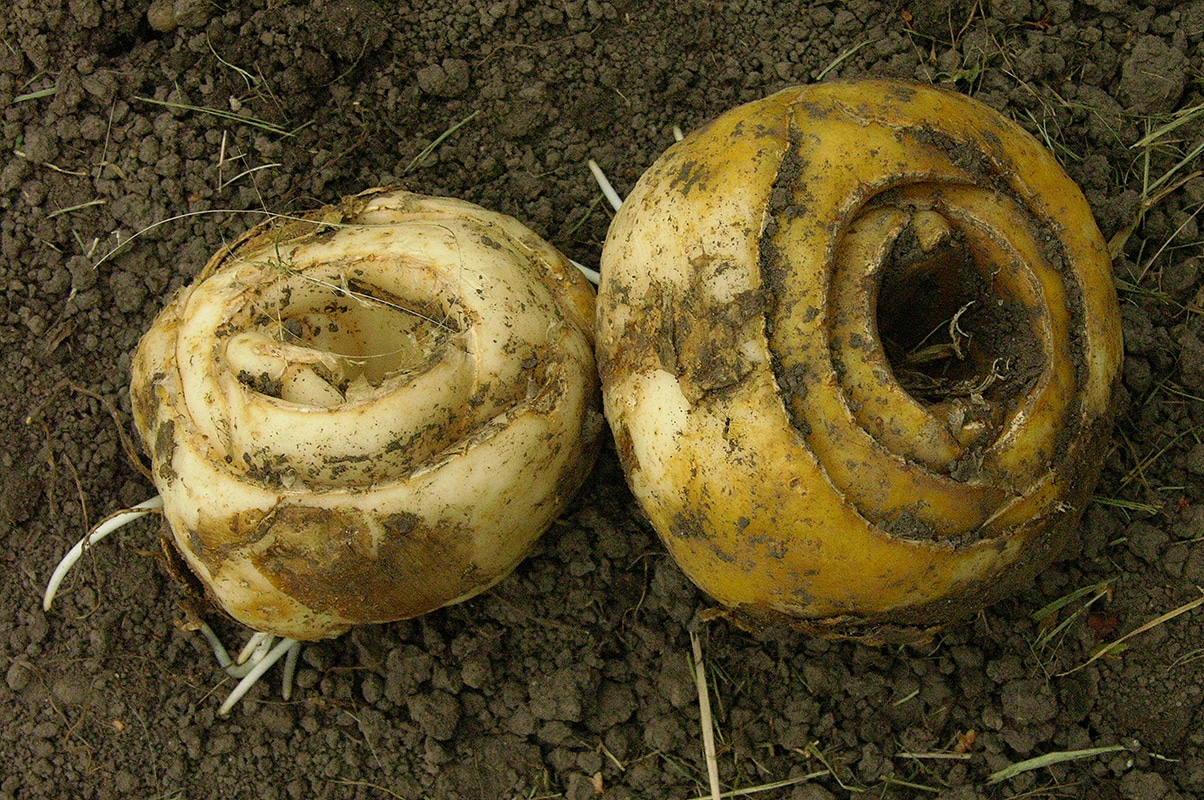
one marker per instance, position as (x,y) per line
(125,782)
(1193,462)
(128,290)
(1179,277)
(87,13)
(1193,568)
(521,121)
(676,684)
(19,496)
(449,79)
(1138,330)
(476,671)
(1137,375)
(1028,701)
(1004,669)
(437,713)
(71,691)
(1191,363)
(931,18)
(811,791)
(372,688)
(435,753)
(221,744)
(616,705)
(193,13)
(555,733)
(46,730)
(1012,11)
(1021,740)
(36,626)
(1146,542)
(276,718)
(1143,786)
(161,17)
(1153,76)
(1190,524)
(522,722)
(191,737)
(555,696)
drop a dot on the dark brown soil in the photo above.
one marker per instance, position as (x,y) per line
(571,678)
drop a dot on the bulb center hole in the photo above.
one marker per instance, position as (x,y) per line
(326,343)
(948,331)
(371,334)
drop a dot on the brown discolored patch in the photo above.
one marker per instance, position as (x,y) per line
(654,334)
(163,449)
(690,523)
(213,541)
(325,559)
(582,459)
(979,159)
(691,173)
(625,447)
(144,400)
(708,335)
(694,336)
(199,595)
(261,383)
(901,91)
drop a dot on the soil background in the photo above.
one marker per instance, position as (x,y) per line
(571,678)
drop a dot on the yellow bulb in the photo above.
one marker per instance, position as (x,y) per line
(858,345)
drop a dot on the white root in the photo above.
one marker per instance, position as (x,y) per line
(104,528)
(256,646)
(252,662)
(612,196)
(592,275)
(285,646)
(256,657)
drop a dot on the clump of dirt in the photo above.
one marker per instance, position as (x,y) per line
(142,138)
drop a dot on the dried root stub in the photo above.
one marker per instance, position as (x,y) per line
(369,413)
(858,345)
